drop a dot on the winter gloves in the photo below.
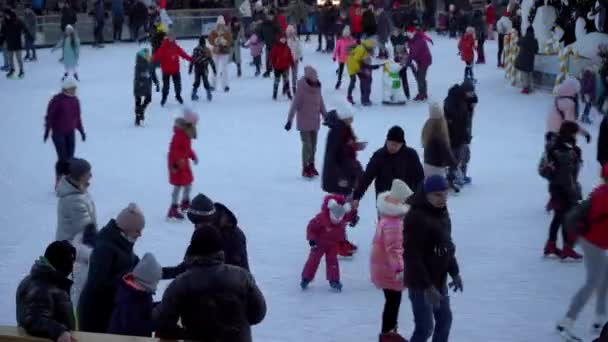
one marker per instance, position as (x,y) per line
(83,135)
(288,126)
(456,283)
(588,137)
(312,243)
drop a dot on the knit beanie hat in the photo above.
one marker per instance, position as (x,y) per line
(400,191)
(435,183)
(205,240)
(435,111)
(78,168)
(69,83)
(131,218)
(310,73)
(201,210)
(61,255)
(190,116)
(396,134)
(69,29)
(345,110)
(147,273)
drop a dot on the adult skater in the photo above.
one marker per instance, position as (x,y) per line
(201,60)
(593,214)
(138,19)
(429,255)
(99,12)
(355,66)
(68,16)
(118,19)
(384,31)
(168,54)
(142,85)
(436,143)
(31,22)
(524,63)
(62,119)
(481,34)
(459,122)
(70,48)
(395,160)
(112,258)
(221,41)
(12,31)
(309,107)
(420,54)
(237,39)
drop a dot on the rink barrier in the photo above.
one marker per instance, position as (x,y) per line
(16,334)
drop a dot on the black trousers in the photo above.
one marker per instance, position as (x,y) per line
(141,102)
(501,46)
(198,76)
(481,55)
(468,71)
(268,61)
(98,32)
(351,85)
(117,23)
(340,71)
(390,315)
(177,84)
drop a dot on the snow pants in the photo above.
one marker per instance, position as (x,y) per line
(430,320)
(596,265)
(390,315)
(65,146)
(332,267)
(309,147)
(501,47)
(221,63)
(177,83)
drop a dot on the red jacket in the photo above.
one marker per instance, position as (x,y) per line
(466,46)
(322,230)
(280,56)
(168,54)
(598,218)
(282,22)
(180,154)
(490,15)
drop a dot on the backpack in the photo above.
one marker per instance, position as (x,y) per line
(546,168)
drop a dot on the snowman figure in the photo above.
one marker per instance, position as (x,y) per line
(392,93)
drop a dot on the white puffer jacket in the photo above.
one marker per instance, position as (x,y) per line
(81,267)
(75,210)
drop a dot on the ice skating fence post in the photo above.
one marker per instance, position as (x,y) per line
(513,56)
(563,65)
(506,54)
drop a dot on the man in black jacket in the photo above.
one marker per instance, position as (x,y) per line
(429,256)
(43,301)
(12,32)
(393,161)
(269,31)
(68,16)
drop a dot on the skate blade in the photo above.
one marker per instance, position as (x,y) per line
(569,337)
(571,261)
(174,220)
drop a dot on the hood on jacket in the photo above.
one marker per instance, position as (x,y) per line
(456,92)
(43,270)
(569,87)
(332,120)
(389,209)
(341,200)
(67,188)
(222,210)
(113,235)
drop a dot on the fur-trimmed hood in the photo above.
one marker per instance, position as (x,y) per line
(389,209)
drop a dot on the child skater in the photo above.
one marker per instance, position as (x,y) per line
(282,60)
(70,47)
(180,154)
(343,46)
(255,46)
(588,92)
(296,52)
(400,40)
(323,234)
(142,84)
(387,255)
(355,65)
(201,59)
(466,49)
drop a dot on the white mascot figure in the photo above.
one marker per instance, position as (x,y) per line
(543,23)
(586,43)
(392,91)
(526,8)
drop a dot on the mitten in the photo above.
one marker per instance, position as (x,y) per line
(288,126)
(588,137)
(312,243)
(456,283)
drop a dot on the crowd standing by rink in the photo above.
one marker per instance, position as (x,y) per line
(90,278)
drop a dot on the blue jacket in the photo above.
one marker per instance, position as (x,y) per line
(132,315)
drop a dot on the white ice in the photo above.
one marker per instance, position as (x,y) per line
(248,162)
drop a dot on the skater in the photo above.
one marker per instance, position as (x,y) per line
(221,42)
(387,265)
(296,52)
(134,299)
(354,65)
(429,256)
(466,50)
(282,60)
(156,40)
(566,159)
(62,119)
(142,85)
(602,142)
(168,55)
(31,22)
(118,19)
(43,301)
(369,23)
(255,46)
(481,33)
(12,31)
(309,107)
(323,233)
(528,48)
(490,19)
(201,60)
(355,14)
(420,54)
(565,109)
(237,39)
(588,92)
(269,32)
(400,41)
(503,27)
(384,31)
(138,20)
(68,16)
(436,143)
(180,154)
(343,47)
(70,50)
(99,12)
(453,20)
(366,79)
(593,215)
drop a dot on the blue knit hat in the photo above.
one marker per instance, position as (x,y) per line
(435,183)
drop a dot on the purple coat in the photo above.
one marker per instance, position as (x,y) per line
(588,85)
(419,51)
(309,106)
(63,115)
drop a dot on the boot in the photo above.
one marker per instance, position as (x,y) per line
(27,57)
(157,87)
(179,99)
(194,96)
(238,70)
(137,118)
(21,74)
(4,68)
(266,74)
(76,77)
(568,253)
(209,95)
(163,101)
(336,285)
(304,283)
(350,100)
(552,250)
(525,90)
(419,98)
(185,205)
(226,89)
(598,324)
(391,337)
(306,172)
(275,89)
(313,169)
(338,84)
(289,95)
(10,73)
(174,213)
(565,325)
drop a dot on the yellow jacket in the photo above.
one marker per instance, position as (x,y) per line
(357,56)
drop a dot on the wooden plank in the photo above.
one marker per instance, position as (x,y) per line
(15,334)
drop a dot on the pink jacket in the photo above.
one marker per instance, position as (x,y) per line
(255,45)
(342,48)
(386,260)
(564,107)
(322,230)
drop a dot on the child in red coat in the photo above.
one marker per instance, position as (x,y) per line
(281,59)
(323,234)
(180,154)
(466,49)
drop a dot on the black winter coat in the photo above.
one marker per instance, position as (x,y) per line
(68,17)
(370,27)
(602,142)
(201,59)
(384,27)
(11,34)
(327,19)
(384,167)
(340,163)
(458,117)
(340,24)
(528,48)
(269,32)
(565,157)
(110,260)
(234,240)
(438,153)
(132,314)
(210,289)
(429,252)
(142,83)
(43,302)
(139,15)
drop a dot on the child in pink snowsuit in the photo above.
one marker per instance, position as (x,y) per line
(255,45)
(323,234)
(343,46)
(386,260)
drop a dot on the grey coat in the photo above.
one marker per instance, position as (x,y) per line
(75,210)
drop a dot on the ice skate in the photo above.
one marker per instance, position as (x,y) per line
(338,84)
(336,286)
(569,254)
(209,95)
(76,77)
(419,98)
(391,337)
(266,74)
(10,73)
(304,284)
(226,89)
(184,205)
(564,328)
(307,173)
(163,101)
(598,324)
(21,74)
(525,91)
(174,213)
(551,250)
(313,170)
(350,100)
(194,96)
(179,99)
